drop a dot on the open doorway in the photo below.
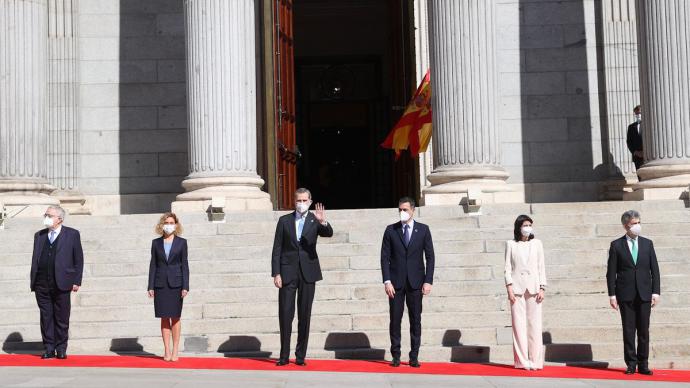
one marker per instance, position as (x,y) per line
(345,73)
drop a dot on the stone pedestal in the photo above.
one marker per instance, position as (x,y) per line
(24,187)
(63,104)
(466,147)
(221,103)
(622,93)
(665,90)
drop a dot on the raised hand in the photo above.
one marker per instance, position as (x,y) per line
(320,213)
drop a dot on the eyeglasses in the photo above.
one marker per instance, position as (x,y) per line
(49,215)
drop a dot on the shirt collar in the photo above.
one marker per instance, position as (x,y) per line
(298,216)
(410,222)
(57,231)
(628,238)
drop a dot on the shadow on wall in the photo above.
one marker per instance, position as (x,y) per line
(15,344)
(353,346)
(464,353)
(243,346)
(152,105)
(555,101)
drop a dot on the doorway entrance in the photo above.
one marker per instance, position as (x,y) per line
(345,71)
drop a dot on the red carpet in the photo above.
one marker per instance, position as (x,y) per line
(436,368)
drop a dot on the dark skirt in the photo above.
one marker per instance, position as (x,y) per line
(167,302)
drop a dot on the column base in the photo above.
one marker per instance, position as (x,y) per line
(661,181)
(240,193)
(25,198)
(449,186)
(72,201)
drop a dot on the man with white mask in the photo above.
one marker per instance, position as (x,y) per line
(295,270)
(56,271)
(634,287)
(634,138)
(406,245)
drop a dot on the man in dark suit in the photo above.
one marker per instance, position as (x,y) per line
(295,269)
(634,287)
(634,138)
(56,270)
(405,245)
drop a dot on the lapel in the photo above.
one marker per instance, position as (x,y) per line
(626,249)
(309,224)
(413,233)
(400,230)
(42,239)
(62,234)
(292,228)
(160,249)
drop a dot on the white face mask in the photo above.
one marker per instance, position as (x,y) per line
(526,231)
(169,228)
(636,229)
(48,222)
(404,216)
(302,207)
(638,117)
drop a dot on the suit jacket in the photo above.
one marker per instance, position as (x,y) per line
(633,138)
(173,272)
(69,257)
(290,255)
(625,279)
(525,274)
(401,264)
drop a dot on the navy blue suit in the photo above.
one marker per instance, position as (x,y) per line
(55,268)
(404,266)
(168,276)
(633,285)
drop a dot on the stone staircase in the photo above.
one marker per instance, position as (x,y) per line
(232,306)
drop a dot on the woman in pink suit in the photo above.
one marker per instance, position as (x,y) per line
(525,282)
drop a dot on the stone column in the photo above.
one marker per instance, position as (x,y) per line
(221,105)
(463,83)
(63,104)
(23,37)
(622,91)
(664,39)
(421,39)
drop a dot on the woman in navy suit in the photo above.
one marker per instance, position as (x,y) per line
(169,280)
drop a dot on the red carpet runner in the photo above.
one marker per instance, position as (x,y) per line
(435,368)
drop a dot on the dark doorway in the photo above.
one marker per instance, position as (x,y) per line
(354,73)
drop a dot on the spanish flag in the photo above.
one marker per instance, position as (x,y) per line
(413,130)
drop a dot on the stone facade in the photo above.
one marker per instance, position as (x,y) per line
(564,79)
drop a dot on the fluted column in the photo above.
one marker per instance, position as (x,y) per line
(463,83)
(23,36)
(622,91)
(664,41)
(221,105)
(63,104)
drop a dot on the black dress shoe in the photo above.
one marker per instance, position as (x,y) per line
(61,355)
(645,371)
(395,363)
(282,362)
(47,355)
(300,362)
(630,370)
(414,363)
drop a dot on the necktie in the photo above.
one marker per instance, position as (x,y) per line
(406,234)
(634,251)
(51,236)
(300,226)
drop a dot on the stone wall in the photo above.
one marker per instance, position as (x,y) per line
(133,104)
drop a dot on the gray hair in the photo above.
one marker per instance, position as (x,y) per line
(59,210)
(629,215)
(302,190)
